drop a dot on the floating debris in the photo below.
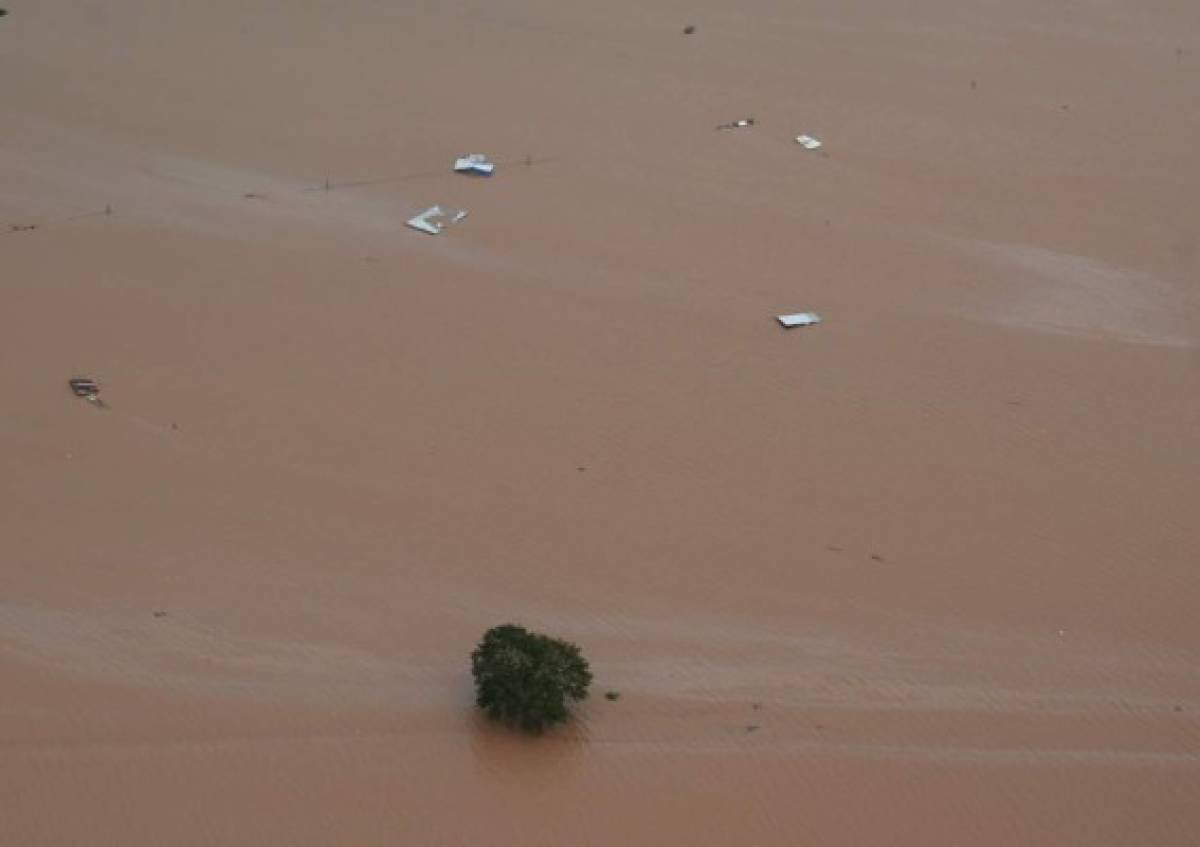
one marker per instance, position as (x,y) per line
(87,388)
(434,219)
(689,29)
(84,387)
(808,142)
(474,163)
(798,319)
(738,124)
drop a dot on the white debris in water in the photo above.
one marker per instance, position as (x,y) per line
(798,319)
(434,219)
(474,163)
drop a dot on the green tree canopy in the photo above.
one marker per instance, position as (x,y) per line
(526,679)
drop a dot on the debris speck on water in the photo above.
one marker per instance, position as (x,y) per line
(474,163)
(738,124)
(85,387)
(434,219)
(689,29)
(808,142)
(612,695)
(798,319)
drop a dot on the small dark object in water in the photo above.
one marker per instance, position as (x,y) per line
(612,695)
(3,12)
(689,29)
(756,706)
(160,614)
(22,227)
(875,557)
(752,727)
(84,387)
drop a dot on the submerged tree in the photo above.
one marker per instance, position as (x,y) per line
(526,679)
